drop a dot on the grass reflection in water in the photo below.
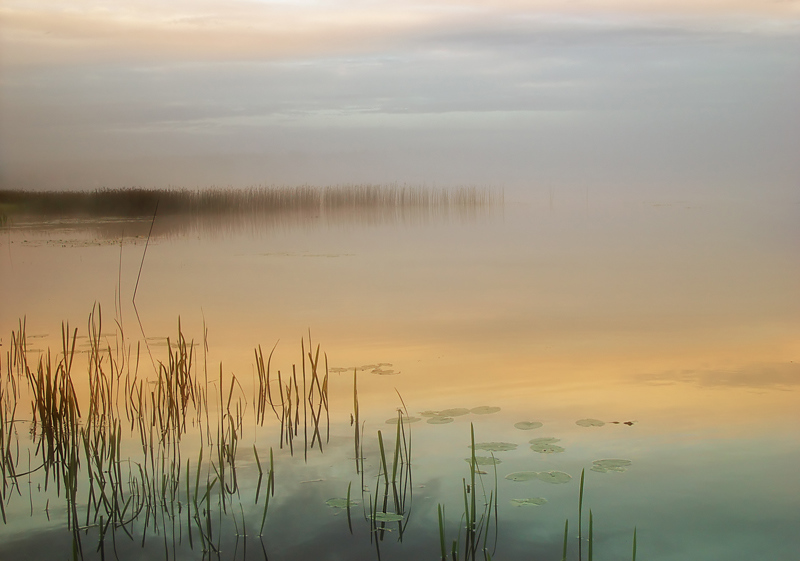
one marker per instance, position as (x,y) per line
(152,463)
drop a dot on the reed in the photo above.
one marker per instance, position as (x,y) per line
(443,547)
(580,515)
(112,496)
(269,492)
(476,522)
(140,203)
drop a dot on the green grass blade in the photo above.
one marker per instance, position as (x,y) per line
(441,532)
(349,522)
(383,458)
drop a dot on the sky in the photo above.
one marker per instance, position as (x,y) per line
(654,99)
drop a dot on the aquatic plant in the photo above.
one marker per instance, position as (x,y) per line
(477,521)
(160,460)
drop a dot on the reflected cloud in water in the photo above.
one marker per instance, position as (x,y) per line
(773,376)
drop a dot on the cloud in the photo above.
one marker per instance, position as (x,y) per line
(92,32)
(354,91)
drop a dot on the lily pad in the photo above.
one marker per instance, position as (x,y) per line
(387,517)
(438,420)
(553,476)
(528,425)
(393,421)
(604,466)
(455,412)
(545,440)
(485,460)
(484,410)
(339,369)
(522,476)
(535,501)
(368,367)
(546,448)
(495,446)
(429,413)
(382,372)
(340,502)
(589,423)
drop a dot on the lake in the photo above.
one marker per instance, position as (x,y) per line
(651,345)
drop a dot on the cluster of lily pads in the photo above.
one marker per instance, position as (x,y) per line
(541,445)
(446,415)
(545,445)
(604,466)
(381,369)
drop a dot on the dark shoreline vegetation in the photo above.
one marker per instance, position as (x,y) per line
(257,205)
(155,464)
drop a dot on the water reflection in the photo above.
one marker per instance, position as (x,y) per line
(660,337)
(109,462)
(775,376)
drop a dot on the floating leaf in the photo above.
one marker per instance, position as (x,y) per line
(437,420)
(495,446)
(553,476)
(528,425)
(485,460)
(545,440)
(368,367)
(546,448)
(387,517)
(455,412)
(604,466)
(522,475)
(339,369)
(381,372)
(429,413)
(590,423)
(484,410)
(535,501)
(339,502)
(406,420)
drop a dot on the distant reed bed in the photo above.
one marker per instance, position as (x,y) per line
(109,213)
(137,203)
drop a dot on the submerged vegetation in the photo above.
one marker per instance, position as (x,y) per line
(154,461)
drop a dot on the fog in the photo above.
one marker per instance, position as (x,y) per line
(669,103)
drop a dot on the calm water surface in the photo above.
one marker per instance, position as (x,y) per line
(676,325)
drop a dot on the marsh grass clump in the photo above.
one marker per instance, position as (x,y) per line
(312,400)
(477,518)
(393,496)
(78,447)
(139,460)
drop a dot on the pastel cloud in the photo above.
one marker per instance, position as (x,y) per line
(95,31)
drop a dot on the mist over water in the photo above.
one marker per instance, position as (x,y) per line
(570,231)
(626,105)
(664,335)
